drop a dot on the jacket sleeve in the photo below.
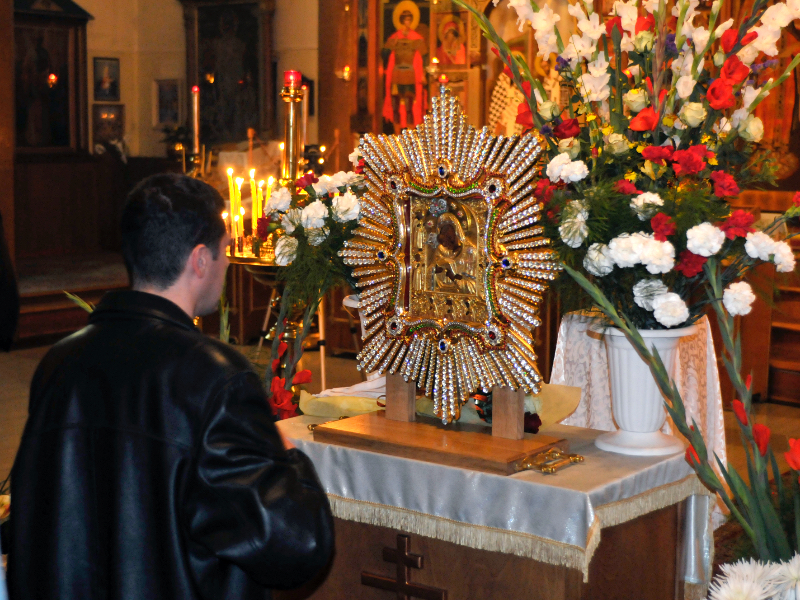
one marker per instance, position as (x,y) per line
(251,502)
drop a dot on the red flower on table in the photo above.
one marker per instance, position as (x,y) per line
(687,163)
(359,170)
(724,184)
(796,199)
(262,227)
(566,129)
(658,154)
(282,346)
(623,186)
(306,180)
(720,94)
(793,455)
(690,264)
(506,68)
(614,22)
(663,226)
(740,412)
(524,116)
(275,364)
(280,399)
(645,23)
(301,377)
(734,70)
(761,435)
(646,120)
(730,37)
(739,224)
(543,191)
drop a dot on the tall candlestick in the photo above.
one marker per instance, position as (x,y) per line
(253,200)
(231,196)
(292,95)
(260,198)
(240,224)
(196,120)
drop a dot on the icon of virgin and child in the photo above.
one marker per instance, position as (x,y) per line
(453,263)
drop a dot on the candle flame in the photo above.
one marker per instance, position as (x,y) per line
(270,181)
(196,89)
(322,148)
(321,161)
(241,211)
(235,217)
(252,173)
(224,214)
(282,146)
(230,171)
(239,181)
(261,183)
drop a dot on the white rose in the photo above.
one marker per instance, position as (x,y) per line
(658,257)
(549,110)
(617,143)
(759,245)
(355,156)
(345,207)
(685,87)
(738,298)
(692,113)
(670,310)
(635,100)
(291,219)
(704,239)
(643,42)
(784,258)
(574,171)
(573,229)
(285,250)
(626,249)
(314,215)
(555,166)
(751,129)
(279,200)
(719,58)
(646,290)
(644,205)
(597,261)
(570,146)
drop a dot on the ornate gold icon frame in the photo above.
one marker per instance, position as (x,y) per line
(450,296)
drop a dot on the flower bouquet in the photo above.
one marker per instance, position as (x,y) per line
(311,219)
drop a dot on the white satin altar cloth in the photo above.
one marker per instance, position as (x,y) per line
(557,519)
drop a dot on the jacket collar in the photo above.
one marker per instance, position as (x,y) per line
(134,303)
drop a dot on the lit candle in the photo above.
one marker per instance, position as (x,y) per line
(239,227)
(260,198)
(196,119)
(231,192)
(292,79)
(225,218)
(235,225)
(253,200)
(270,183)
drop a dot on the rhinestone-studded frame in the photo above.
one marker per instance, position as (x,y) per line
(445,157)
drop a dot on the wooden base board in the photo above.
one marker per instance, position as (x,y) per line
(471,447)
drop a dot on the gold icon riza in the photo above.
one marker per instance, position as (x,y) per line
(450,257)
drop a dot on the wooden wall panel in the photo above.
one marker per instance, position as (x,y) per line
(7,121)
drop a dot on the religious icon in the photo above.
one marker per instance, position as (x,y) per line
(404,97)
(106,79)
(452,38)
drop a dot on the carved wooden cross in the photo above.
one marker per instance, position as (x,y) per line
(401,585)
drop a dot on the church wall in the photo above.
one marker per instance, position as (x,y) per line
(7,124)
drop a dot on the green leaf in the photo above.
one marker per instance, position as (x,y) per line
(87,306)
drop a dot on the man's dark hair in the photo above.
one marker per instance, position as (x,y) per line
(164,218)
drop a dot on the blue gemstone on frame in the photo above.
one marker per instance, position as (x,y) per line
(442,172)
(506,263)
(442,345)
(381,255)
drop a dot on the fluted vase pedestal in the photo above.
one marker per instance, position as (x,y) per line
(636,401)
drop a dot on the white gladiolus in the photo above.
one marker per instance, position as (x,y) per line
(555,166)
(578,47)
(576,10)
(759,245)
(313,215)
(645,291)
(767,40)
(669,309)
(524,11)
(597,261)
(784,258)
(628,14)
(794,8)
(646,204)
(285,250)
(705,239)
(719,58)
(700,39)
(685,86)
(345,207)
(751,129)
(291,219)
(777,16)
(738,298)
(635,100)
(592,27)
(692,113)
(722,28)
(573,229)
(279,200)
(651,6)
(749,94)
(748,54)
(594,88)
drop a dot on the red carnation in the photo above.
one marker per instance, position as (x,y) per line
(262,228)
(724,185)
(524,116)
(658,154)
(761,435)
(567,129)
(734,70)
(301,377)
(730,37)
(739,224)
(306,180)
(690,264)
(740,412)
(543,191)
(645,23)
(614,22)
(623,186)
(687,162)
(359,170)
(646,120)
(720,94)
(663,226)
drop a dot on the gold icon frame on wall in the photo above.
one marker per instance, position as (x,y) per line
(450,257)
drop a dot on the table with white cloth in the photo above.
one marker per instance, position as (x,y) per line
(541,532)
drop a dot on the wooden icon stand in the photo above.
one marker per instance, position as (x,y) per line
(397,431)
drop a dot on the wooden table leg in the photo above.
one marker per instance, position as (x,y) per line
(401,398)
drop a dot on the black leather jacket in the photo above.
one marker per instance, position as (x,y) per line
(151,467)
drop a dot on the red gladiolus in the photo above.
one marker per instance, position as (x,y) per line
(724,184)
(623,186)
(301,377)
(280,399)
(614,22)
(691,456)
(793,455)
(543,191)
(730,37)
(646,120)
(761,435)
(734,70)
(748,381)
(663,226)
(506,68)
(645,23)
(796,199)
(690,264)
(282,348)
(658,154)
(566,129)
(740,412)
(739,224)
(524,116)
(720,94)
(275,364)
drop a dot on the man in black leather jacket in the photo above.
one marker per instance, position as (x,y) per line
(151,466)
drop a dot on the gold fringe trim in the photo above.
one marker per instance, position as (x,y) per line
(517,543)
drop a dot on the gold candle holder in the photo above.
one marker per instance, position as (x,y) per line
(292,95)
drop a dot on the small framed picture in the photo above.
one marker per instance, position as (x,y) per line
(106,79)
(108,123)
(166,102)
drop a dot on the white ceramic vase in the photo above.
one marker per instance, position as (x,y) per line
(636,401)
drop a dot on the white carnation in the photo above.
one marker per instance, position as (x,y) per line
(670,310)
(626,249)
(759,245)
(279,200)
(573,228)
(574,171)
(784,258)
(658,257)
(738,298)
(314,215)
(645,205)
(345,207)
(291,219)
(355,156)
(555,166)
(340,180)
(646,290)
(597,260)
(705,239)
(285,250)
(323,186)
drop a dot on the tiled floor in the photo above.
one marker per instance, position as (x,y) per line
(16,371)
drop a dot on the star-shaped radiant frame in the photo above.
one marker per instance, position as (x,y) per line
(450,257)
